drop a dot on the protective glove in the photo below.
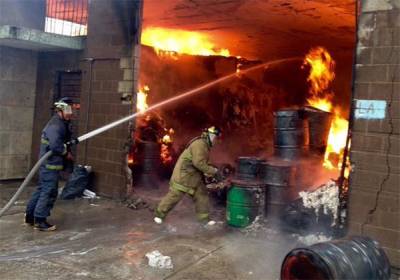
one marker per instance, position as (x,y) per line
(219,176)
(72,142)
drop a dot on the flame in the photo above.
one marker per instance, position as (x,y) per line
(322,70)
(141,103)
(336,141)
(170,42)
(321,103)
(166,139)
(321,75)
(165,154)
(131,159)
(166,142)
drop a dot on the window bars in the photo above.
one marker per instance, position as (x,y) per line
(67,17)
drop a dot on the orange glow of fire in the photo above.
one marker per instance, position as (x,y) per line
(141,102)
(170,42)
(165,154)
(322,70)
(321,75)
(131,159)
(336,140)
(166,142)
(321,103)
(166,139)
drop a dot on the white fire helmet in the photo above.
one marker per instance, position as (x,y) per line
(64,104)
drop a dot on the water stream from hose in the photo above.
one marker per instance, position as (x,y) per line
(127,118)
(182,96)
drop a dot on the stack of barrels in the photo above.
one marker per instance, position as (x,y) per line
(301,133)
(298,134)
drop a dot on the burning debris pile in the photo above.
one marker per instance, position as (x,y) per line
(152,153)
(173,42)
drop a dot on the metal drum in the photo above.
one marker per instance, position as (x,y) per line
(279,179)
(149,160)
(247,168)
(245,201)
(319,125)
(277,172)
(291,134)
(352,258)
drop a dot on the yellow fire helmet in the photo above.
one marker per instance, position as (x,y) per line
(214,130)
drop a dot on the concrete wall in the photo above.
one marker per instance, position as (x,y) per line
(23,13)
(48,65)
(374,205)
(108,44)
(17,100)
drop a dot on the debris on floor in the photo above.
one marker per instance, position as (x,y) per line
(158,260)
(326,198)
(136,203)
(89,194)
(257,227)
(313,238)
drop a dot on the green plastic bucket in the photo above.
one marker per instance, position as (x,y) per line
(245,201)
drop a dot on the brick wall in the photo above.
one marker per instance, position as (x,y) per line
(108,45)
(17,100)
(374,205)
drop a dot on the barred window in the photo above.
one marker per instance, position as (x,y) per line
(67,17)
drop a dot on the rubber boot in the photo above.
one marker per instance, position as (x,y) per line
(29,220)
(42,225)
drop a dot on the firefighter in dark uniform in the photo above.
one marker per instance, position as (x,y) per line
(187,177)
(54,136)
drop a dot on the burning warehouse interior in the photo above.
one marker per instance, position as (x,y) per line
(275,122)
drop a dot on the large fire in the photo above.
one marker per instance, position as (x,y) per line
(322,70)
(166,140)
(172,42)
(321,75)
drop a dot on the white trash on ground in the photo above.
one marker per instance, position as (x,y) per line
(158,260)
(325,197)
(313,238)
(88,194)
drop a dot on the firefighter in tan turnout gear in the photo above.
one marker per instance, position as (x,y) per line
(187,177)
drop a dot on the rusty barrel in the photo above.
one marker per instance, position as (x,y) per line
(319,123)
(149,160)
(278,176)
(247,168)
(291,134)
(357,257)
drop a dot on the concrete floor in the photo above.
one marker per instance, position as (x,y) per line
(103,239)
